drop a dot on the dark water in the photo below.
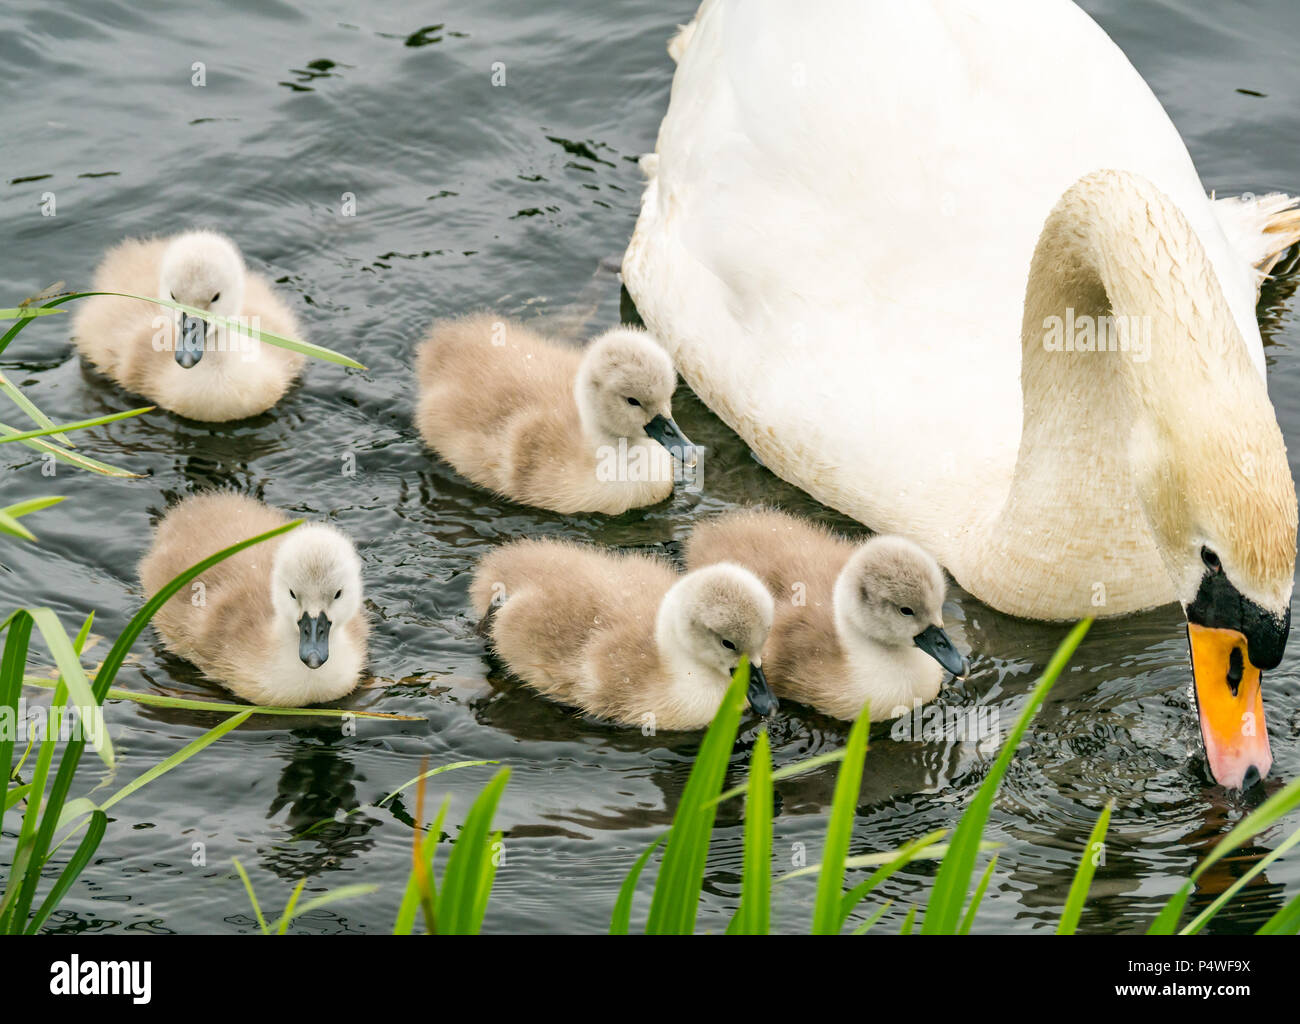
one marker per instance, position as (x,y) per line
(513,198)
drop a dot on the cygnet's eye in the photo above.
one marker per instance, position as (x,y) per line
(174,298)
(906,610)
(338,593)
(292,595)
(215,297)
(633,401)
(1211,560)
(728,645)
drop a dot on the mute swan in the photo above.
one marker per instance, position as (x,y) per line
(624,636)
(854,623)
(965,285)
(547,424)
(280,623)
(198,370)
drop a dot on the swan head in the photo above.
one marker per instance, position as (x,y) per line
(1223,509)
(891,592)
(315,585)
(625,388)
(205,270)
(713,616)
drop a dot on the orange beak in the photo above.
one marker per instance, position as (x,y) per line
(1230,702)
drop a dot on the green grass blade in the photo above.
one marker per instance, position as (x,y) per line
(866,925)
(25,312)
(158,700)
(458,896)
(325,899)
(29,409)
(1083,875)
(233,325)
(1269,812)
(969,919)
(18,631)
(425,850)
(911,851)
(756,881)
(1203,918)
(676,899)
(85,850)
(1285,922)
(620,921)
(13,528)
(11,513)
(24,508)
(74,677)
(252,896)
(282,925)
(103,680)
(948,894)
(487,874)
(72,458)
(306,348)
(789,771)
(874,860)
(827,918)
(22,321)
(908,921)
(29,855)
(57,429)
(12,796)
(431,773)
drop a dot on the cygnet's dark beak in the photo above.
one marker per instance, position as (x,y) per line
(761,697)
(934,641)
(666,431)
(314,640)
(189,348)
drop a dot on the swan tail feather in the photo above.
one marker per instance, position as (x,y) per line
(677,45)
(1262,228)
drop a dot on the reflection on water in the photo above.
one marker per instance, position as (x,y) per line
(520,199)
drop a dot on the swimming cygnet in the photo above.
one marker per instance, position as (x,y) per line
(624,636)
(853,623)
(280,623)
(178,361)
(548,424)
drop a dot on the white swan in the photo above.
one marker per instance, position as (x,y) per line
(200,371)
(864,219)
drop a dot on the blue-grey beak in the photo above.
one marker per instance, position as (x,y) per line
(761,697)
(934,641)
(189,350)
(669,434)
(314,640)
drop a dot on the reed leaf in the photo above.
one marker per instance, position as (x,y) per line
(1083,874)
(620,920)
(969,919)
(72,871)
(754,915)
(676,899)
(63,428)
(1270,811)
(943,911)
(827,918)
(470,866)
(158,700)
